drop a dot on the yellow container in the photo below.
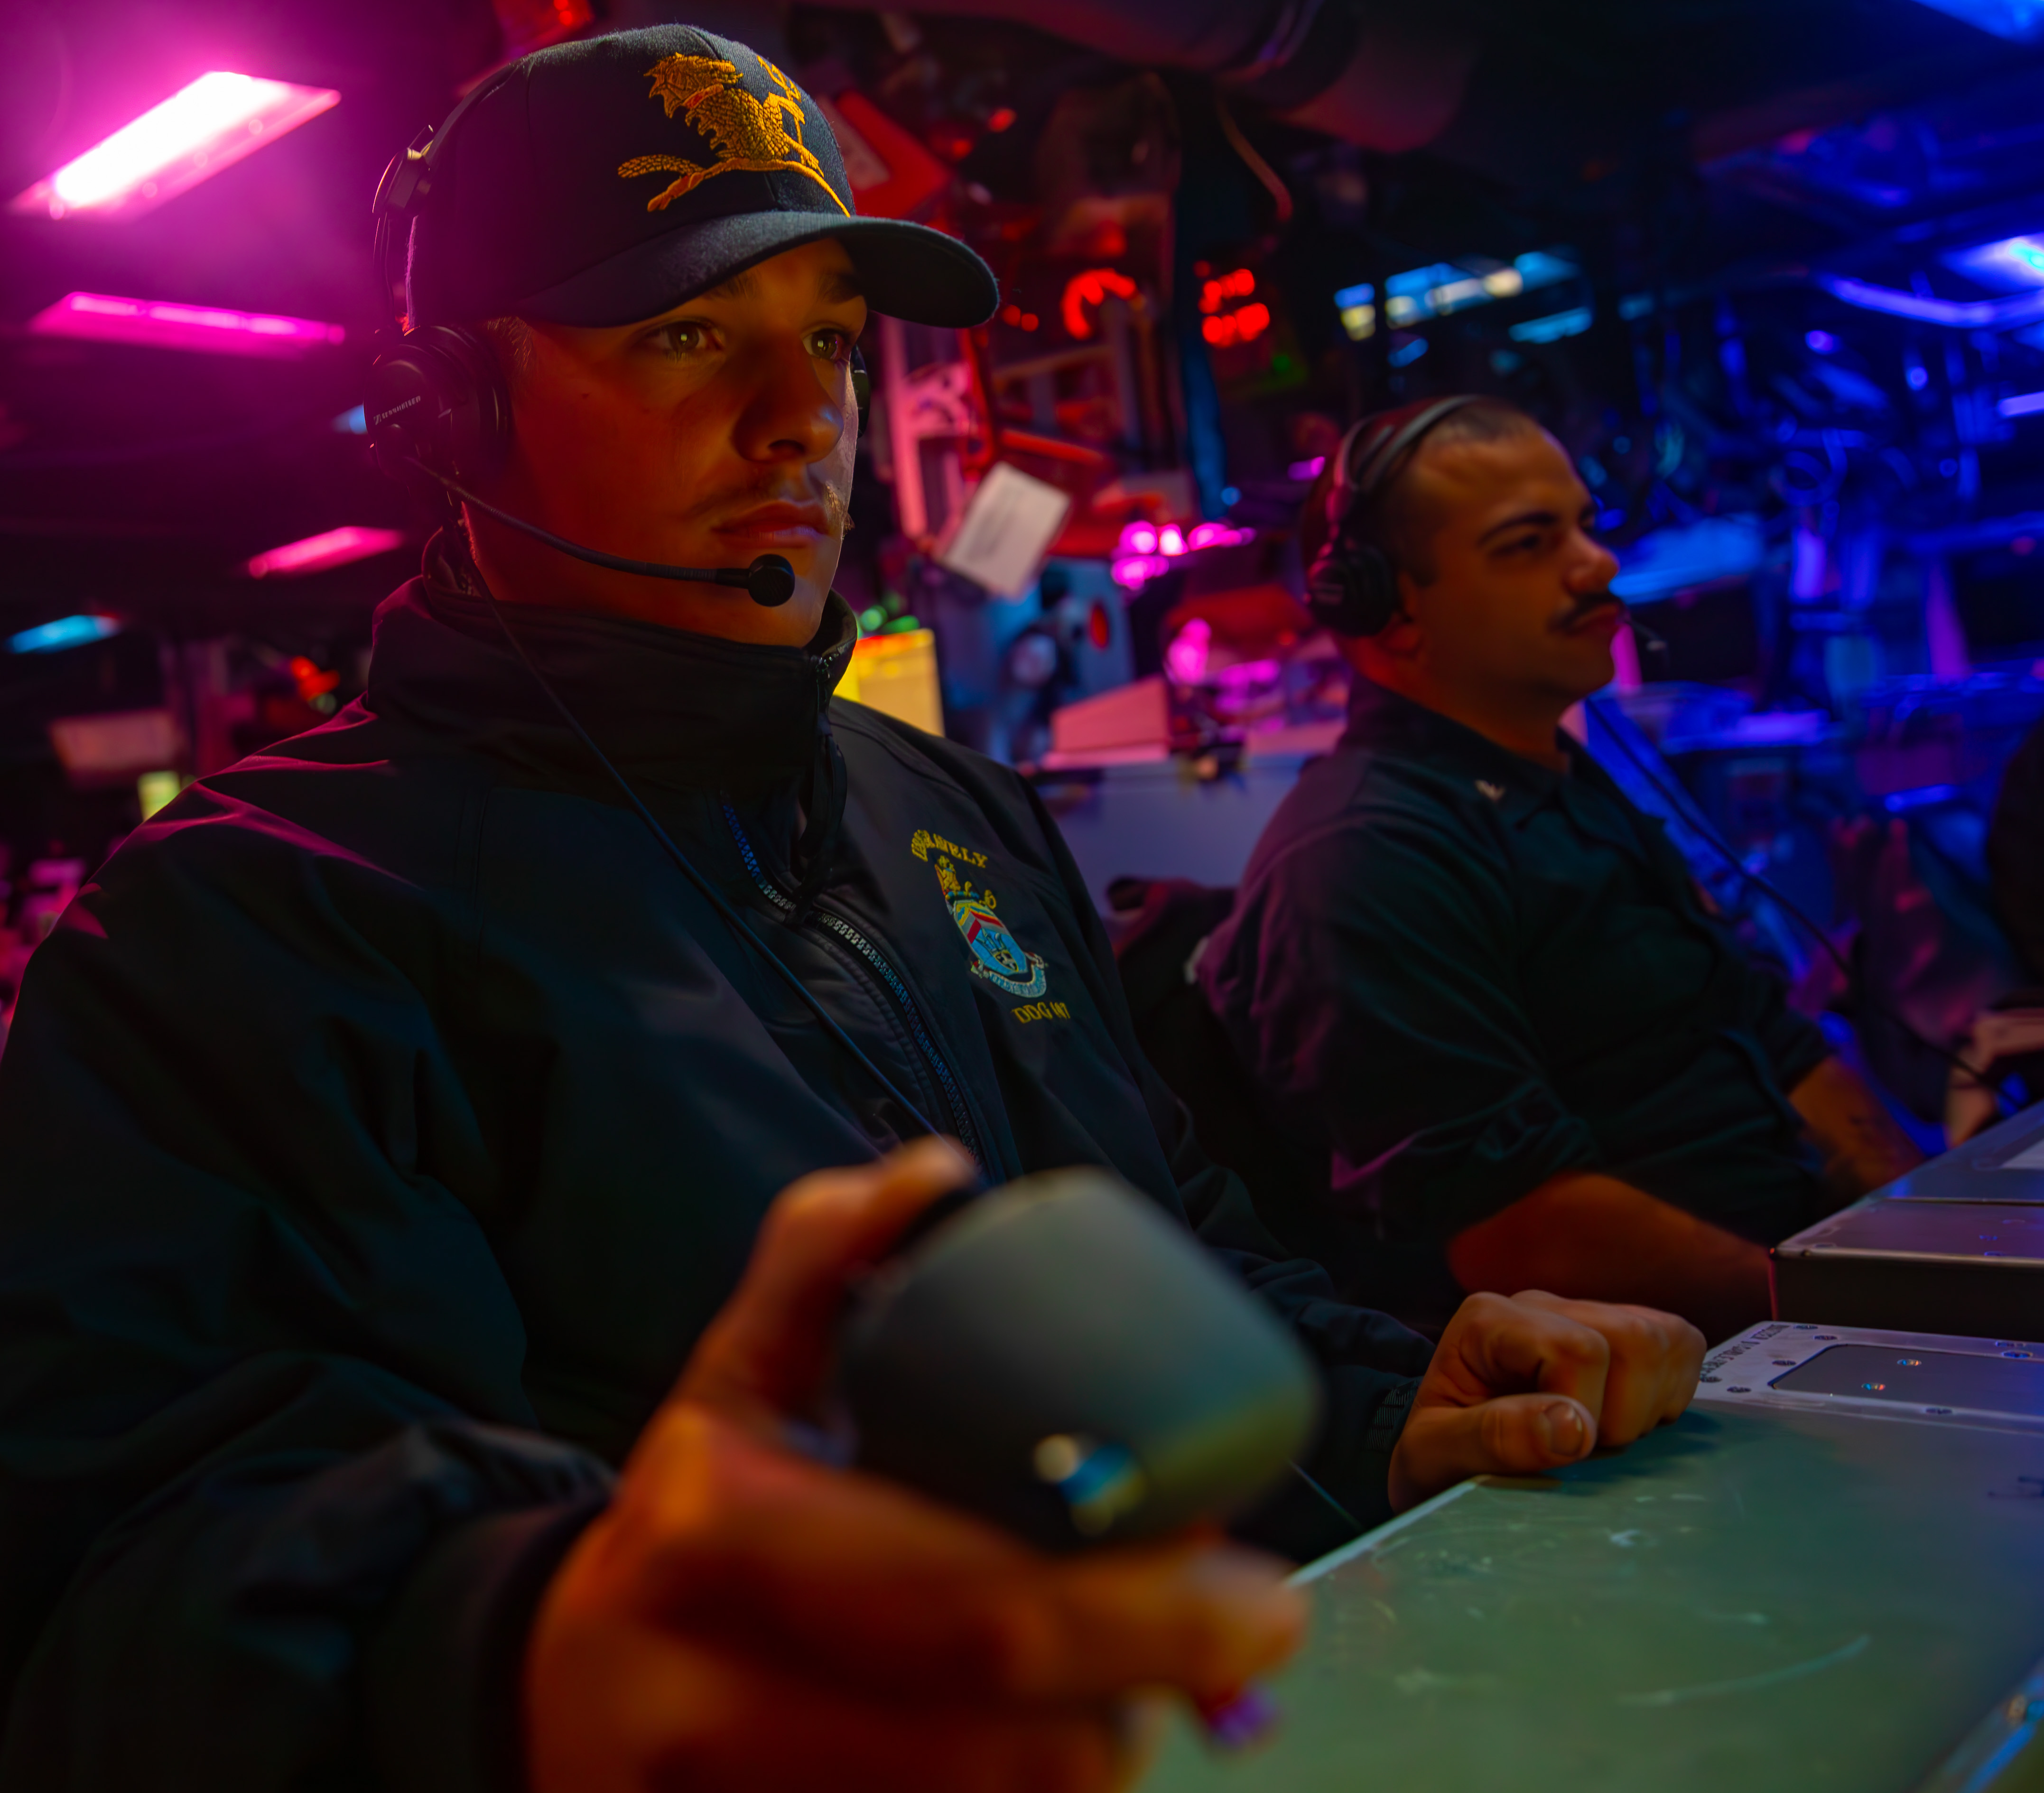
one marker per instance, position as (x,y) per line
(897,674)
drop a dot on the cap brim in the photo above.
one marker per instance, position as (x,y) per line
(907,270)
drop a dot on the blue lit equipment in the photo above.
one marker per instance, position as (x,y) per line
(2015,264)
(1679,557)
(1436,291)
(1554,326)
(65,631)
(2018,20)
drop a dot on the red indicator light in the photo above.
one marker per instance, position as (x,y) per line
(311,682)
(1233,327)
(1215,293)
(1093,287)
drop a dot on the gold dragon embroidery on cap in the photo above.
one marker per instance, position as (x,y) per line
(747,136)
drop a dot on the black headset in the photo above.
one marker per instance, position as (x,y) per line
(1352,586)
(438,409)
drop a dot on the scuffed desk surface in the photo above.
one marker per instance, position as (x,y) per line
(1747,1600)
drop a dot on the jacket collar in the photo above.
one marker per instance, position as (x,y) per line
(1381,721)
(682,709)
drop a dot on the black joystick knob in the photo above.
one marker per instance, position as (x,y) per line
(1062,1358)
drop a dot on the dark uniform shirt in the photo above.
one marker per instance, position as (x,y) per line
(2015,852)
(385,1122)
(1457,973)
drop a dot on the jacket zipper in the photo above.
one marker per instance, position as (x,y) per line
(877,962)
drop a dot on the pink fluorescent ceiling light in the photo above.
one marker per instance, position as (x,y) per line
(198,131)
(315,553)
(161,324)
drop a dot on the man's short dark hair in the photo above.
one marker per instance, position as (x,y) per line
(511,339)
(1397,520)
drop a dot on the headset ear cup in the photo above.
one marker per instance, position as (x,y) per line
(479,427)
(438,397)
(1376,591)
(1354,591)
(405,411)
(1353,587)
(1330,593)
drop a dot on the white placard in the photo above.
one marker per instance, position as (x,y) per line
(1009,523)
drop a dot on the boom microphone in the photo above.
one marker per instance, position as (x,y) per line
(770,581)
(1650,640)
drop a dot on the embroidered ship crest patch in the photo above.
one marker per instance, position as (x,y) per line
(996,954)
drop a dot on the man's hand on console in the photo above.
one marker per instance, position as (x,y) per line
(743,1617)
(1526,1383)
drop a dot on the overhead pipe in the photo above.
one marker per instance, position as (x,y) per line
(1372,74)
(1951,314)
(2010,312)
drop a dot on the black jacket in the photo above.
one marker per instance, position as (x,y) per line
(380,1130)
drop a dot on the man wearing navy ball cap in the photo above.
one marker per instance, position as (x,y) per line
(392,1121)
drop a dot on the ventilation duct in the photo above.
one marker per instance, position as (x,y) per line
(1372,74)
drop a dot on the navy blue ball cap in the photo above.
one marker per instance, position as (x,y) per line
(605,182)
